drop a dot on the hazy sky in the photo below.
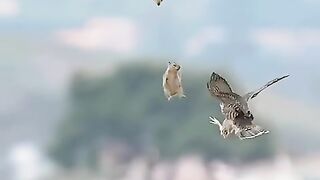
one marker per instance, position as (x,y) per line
(43,42)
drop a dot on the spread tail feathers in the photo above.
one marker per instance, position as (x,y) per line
(251,132)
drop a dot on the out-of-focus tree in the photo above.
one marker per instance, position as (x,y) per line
(129,106)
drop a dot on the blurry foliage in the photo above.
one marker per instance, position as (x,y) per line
(130,106)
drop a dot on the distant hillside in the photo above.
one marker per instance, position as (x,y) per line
(130,107)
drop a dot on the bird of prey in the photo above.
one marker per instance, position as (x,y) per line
(158,2)
(171,81)
(238,118)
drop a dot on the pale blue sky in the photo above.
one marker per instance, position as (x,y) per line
(43,42)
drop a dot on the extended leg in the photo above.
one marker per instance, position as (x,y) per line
(213,120)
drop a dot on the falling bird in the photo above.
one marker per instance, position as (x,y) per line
(171,81)
(238,118)
(158,2)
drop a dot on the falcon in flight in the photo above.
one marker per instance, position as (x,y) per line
(238,118)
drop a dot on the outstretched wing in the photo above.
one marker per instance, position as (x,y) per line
(253,94)
(219,87)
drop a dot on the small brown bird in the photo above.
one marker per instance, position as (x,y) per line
(158,2)
(172,81)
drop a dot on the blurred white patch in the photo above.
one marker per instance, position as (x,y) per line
(28,162)
(205,37)
(287,42)
(281,168)
(191,168)
(137,170)
(118,35)
(163,171)
(221,171)
(9,8)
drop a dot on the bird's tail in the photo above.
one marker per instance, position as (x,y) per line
(251,132)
